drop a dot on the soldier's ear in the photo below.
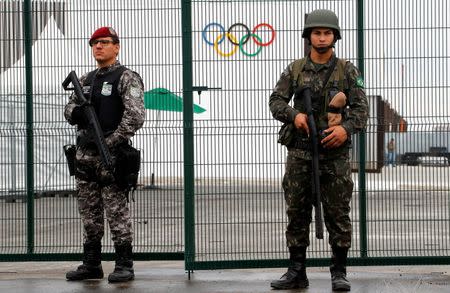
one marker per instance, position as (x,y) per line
(117,48)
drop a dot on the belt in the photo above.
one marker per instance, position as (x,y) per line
(302,143)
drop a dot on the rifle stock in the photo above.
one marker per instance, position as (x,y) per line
(305,94)
(91,116)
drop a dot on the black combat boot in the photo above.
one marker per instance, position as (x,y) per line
(92,263)
(123,270)
(295,277)
(338,269)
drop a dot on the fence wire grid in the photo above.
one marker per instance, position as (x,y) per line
(210,183)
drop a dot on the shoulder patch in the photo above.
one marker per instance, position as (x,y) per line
(359,82)
(135,92)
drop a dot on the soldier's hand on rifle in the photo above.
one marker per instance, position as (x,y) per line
(301,122)
(335,137)
(78,116)
(106,176)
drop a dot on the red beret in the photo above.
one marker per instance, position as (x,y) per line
(104,32)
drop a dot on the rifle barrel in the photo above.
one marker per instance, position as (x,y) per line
(315,163)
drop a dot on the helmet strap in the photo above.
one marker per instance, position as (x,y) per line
(323,50)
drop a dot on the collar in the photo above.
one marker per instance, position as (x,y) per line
(112,67)
(309,65)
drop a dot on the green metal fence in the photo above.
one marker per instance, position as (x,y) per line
(42,41)
(211,174)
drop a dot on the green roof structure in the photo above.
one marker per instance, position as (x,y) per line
(164,100)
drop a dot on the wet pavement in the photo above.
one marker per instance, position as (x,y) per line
(170,276)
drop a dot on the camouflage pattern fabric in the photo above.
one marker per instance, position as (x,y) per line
(131,89)
(335,171)
(97,191)
(312,74)
(336,190)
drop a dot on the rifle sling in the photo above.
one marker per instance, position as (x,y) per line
(330,71)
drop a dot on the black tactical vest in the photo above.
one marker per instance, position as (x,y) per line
(104,96)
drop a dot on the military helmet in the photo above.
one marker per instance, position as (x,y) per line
(321,18)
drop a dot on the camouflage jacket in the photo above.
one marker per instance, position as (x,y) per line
(131,90)
(314,74)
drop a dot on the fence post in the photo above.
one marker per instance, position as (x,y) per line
(362,142)
(28,42)
(188,135)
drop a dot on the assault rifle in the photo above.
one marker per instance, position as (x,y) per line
(91,116)
(305,94)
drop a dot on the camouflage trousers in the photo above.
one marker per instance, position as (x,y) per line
(336,188)
(98,195)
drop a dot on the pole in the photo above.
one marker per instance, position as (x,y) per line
(29,123)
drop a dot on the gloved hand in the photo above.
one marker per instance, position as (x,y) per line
(336,104)
(78,116)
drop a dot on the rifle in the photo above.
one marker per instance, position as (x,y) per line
(91,116)
(305,94)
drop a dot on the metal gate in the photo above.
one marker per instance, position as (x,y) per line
(210,189)
(42,41)
(233,56)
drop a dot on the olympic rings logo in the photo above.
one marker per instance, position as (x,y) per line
(237,43)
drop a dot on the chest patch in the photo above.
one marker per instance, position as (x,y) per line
(106,89)
(359,82)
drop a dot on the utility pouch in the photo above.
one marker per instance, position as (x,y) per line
(70,151)
(286,133)
(128,162)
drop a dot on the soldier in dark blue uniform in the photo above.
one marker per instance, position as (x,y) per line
(116,94)
(340,109)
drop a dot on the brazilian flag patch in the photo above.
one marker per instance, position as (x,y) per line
(360,82)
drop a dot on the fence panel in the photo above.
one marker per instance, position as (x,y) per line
(240,210)
(408,208)
(150,38)
(400,214)
(239,207)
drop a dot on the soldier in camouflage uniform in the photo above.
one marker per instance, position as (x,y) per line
(116,93)
(322,30)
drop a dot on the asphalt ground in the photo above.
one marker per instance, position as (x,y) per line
(399,213)
(170,276)
(406,215)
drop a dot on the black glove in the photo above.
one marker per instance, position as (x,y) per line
(78,116)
